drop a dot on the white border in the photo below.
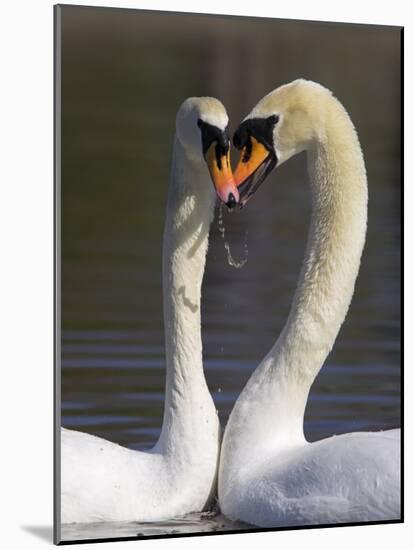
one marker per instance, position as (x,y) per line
(26,228)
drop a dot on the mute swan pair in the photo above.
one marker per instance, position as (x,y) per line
(268,474)
(102,481)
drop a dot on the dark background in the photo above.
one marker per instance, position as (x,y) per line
(124,75)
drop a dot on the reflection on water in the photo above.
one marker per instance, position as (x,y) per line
(191,523)
(119,105)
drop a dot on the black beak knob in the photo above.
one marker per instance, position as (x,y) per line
(231,201)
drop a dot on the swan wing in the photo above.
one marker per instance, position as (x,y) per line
(349,478)
(103,481)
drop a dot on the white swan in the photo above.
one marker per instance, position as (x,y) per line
(102,481)
(269,474)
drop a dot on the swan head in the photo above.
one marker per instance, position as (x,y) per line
(285,122)
(202,130)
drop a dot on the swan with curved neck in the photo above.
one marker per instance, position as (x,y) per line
(269,474)
(102,481)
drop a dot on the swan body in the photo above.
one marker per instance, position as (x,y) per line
(103,481)
(269,474)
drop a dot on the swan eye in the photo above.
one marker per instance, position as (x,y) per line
(274,119)
(200,123)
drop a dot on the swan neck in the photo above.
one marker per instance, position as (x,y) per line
(190,209)
(271,409)
(334,246)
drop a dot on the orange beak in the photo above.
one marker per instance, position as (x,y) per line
(251,157)
(255,163)
(222,176)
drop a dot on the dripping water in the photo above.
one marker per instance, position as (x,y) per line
(230,259)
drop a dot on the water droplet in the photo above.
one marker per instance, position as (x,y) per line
(230,260)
